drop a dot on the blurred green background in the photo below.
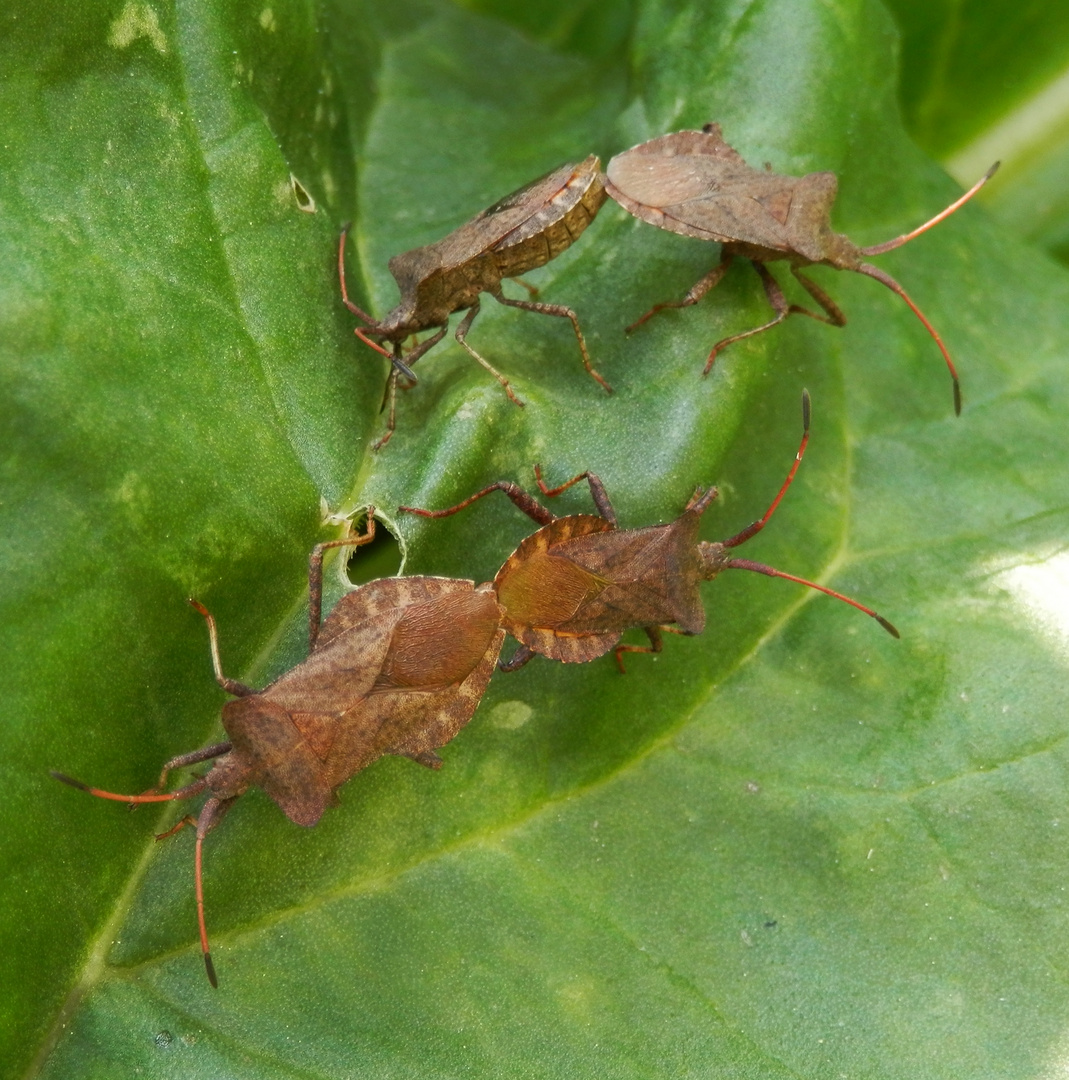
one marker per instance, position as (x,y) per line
(988,80)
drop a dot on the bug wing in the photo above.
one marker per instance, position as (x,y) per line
(286,732)
(695,184)
(439,640)
(441,656)
(541,592)
(487,228)
(652,575)
(553,197)
(352,646)
(388,597)
(291,733)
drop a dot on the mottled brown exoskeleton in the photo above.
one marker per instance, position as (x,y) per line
(398,667)
(570,590)
(518,233)
(694,184)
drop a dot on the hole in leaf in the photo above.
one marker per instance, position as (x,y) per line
(304,198)
(381,558)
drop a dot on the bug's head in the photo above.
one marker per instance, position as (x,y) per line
(230,775)
(712,556)
(396,325)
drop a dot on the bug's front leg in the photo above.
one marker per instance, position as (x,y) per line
(597,491)
(520,498)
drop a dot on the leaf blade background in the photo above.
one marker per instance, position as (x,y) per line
(421,923)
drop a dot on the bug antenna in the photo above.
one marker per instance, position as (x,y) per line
(376,346)
(886,279)
(898,241)
(770,571)
(209,967)
(358,312)
(186,792)
(757,526)
(63,778)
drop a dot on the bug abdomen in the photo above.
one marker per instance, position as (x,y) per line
(553,228)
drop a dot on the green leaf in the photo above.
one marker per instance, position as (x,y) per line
(967,63)
(987,81)
(791,846)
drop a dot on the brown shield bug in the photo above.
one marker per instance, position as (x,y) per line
(694,184)
(518,233)
(398,667)
(571,589)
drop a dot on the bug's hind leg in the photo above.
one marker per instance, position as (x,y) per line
(655,645)
(562,312)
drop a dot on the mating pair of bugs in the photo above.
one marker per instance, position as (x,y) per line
(400,664)
(689,182)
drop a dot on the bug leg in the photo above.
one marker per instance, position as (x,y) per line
(231,686)
(597,491)
(389,398)
(315,572)
(700,500)
(532,291)
(428,758)
(779,306)
(655,646)
(562,312)
(834,316)
(516,660)
(206,753)
(404,364)
(520,498)
(461,336)
(710,281)
(189,819)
